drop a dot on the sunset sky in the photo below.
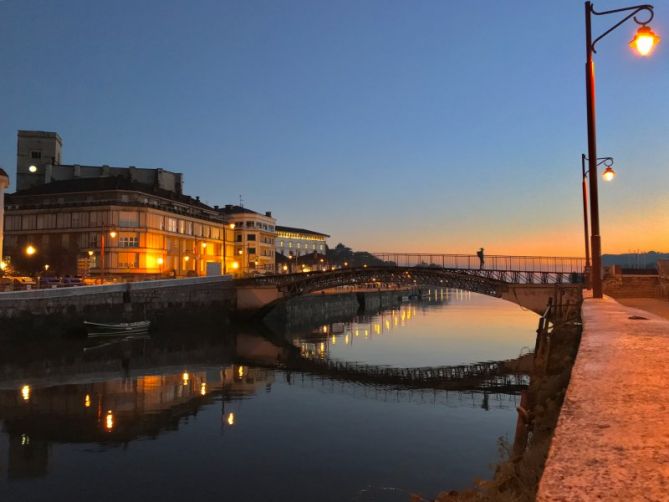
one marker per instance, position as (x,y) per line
(435,126)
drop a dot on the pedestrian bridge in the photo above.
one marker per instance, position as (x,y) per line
(529,281)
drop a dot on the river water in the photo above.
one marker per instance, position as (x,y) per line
(179,418)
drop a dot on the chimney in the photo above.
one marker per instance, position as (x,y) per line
(268,213)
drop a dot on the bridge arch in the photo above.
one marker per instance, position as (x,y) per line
(531,290)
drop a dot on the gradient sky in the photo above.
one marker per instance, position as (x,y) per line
(420,125)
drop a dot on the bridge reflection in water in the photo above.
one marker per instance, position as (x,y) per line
(109,409)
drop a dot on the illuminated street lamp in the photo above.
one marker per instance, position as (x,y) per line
(30,250)
(643,43)
(112,234)
(608,175)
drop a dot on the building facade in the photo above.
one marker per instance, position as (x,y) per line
(109,222)
(292,241)
(254,238)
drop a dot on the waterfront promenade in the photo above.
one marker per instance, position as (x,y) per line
(612,438)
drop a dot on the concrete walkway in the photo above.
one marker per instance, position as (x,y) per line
(612,438)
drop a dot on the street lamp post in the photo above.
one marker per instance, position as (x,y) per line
(112,234)
(608,175)
(643,42)
(232,227)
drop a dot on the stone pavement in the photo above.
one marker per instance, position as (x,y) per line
(612,437)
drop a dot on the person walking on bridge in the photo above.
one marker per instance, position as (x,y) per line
(479,253)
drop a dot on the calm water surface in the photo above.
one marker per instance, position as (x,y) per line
(190,424)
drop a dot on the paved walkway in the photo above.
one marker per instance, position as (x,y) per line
(612,438)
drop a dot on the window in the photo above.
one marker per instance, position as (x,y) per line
(321,246)
(64,220)
(79,220)
(197,229)
(252,250)
(128,241)
(171,224)
(28,222)
(249,224)
(43,221)
(128,219)
(156,221)
(13,222)
(189,227)
(238,238)
(36,155)
(281,244)
(251,237)
(182,226)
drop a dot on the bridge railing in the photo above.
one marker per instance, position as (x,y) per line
(548,264)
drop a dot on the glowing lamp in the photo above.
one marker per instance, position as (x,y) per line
(608,174)
(3,265)
(112,234)
(644,41)
(160,260)
(30,250)
(32,169)
(109,421)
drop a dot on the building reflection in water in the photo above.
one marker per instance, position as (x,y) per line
(115,411)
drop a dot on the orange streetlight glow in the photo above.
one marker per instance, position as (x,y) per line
(644,41)
(109,421)
(112,234)
(30,250)
(608,174)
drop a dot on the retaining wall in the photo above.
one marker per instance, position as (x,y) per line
(62,310)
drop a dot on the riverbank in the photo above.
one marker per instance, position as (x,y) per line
(518,475)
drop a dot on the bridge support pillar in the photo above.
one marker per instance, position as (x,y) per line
(251,298)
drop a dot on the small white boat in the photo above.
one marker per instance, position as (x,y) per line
(100,330)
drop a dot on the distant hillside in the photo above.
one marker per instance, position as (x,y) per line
(634,260)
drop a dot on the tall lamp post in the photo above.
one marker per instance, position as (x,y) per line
(608,175)
(643,43)
(112,234)
(232,227)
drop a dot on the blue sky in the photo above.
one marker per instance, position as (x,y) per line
(391,125)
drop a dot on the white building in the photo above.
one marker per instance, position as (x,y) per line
(292,241)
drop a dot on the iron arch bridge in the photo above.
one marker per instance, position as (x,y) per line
(527,281)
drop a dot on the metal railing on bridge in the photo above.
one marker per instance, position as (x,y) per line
(547,264)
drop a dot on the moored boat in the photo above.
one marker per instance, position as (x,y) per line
(99,330)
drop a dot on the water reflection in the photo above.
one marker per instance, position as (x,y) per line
(472,328)
(183,411)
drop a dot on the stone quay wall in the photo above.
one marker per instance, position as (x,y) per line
(63,310)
